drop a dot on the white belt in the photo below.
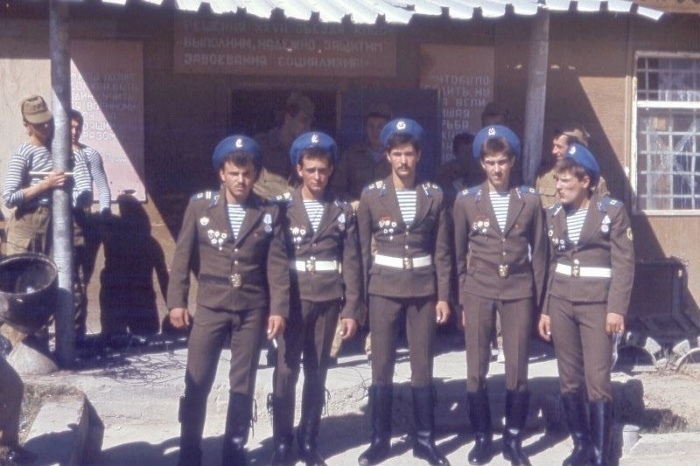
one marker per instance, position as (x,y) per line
(578,271)
(312,265)
(406,263)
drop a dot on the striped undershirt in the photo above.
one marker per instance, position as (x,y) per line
(97,173)
(407,204)
(574,223)
(27,158)
(236,214)
(314,210)
(500,202)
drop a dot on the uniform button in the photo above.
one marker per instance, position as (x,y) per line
(235,262)
(313,245)
(406,247)
(503,240)
(576,261)
(504,253)
(235,250)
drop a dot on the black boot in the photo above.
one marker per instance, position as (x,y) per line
(601,423)
(577,420)
(424,423)
(380,399)
(282,431)
(517,404)
(480,419)
(191,416)
(238,418)
(311,409)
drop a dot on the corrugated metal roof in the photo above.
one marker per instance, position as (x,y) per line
(401,11)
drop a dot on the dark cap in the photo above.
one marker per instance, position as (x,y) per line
(238,143)
(312,140)
(401,126)
(583,157)
(492,132)
(35,110)
(381,110)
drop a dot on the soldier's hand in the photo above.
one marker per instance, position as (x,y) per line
(348,328)
(275,326)
(55,179)
(463,321)
(545,327)
(614,323)
(442,312)
(179,318)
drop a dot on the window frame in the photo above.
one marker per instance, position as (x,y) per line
(638,105)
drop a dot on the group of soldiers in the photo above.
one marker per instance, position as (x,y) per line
(293,269)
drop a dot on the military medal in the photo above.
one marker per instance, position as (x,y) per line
(267,220)
(204,221)
(236,280)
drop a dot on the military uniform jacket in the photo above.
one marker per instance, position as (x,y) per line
(379,218)
(495,264)
(335,240)
(356,169)
(606,241)
(248,272)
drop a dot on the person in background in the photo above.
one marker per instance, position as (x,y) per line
(461,172)
(233,242)
(277,174)
(326,282)
(591,273)
(87,226)
(546,184)
(408,276)
(501,252)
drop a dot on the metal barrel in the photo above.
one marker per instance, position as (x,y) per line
(28,286)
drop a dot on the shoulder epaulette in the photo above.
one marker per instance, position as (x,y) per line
(429,187)
(607,201)
(376,185)
(208,195)
(283,198)
(469,191)
(525,189)
(554,208)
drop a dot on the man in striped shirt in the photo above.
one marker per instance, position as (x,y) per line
(500,250)
(87,226)
(326,283)
(30,181)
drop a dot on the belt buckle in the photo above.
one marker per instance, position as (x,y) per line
(407,263)
(236,280)
(310,265)
(503,270)
(576,270)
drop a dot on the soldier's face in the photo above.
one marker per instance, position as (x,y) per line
(314,174)
(572,191)
(373,127)
(403,160)
(299,124)
(559,146)
(238,180)
(76,130)
(497,167)
(43,132)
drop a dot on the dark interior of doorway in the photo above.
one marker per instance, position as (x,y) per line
(258,111)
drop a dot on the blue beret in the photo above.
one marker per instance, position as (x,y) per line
(583,157)
(495,131)
(313,139)
(401,126)
(237,143)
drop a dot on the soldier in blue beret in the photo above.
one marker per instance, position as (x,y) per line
(591,252)
(409,276)
(326,283)
(232,240)
(500,248)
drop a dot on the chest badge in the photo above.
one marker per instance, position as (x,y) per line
(204,221)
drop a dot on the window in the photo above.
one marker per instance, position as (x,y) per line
(667,133)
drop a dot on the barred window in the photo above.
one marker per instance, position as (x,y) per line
(667,156)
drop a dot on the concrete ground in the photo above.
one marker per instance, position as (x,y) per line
(135,392)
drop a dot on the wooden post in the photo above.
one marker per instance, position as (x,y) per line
(536,95)
(62,212)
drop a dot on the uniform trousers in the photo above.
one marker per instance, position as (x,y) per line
(11,390)
(209,332)
(309,331)
(27,230)
(516,322)
(384,317)
(582,346)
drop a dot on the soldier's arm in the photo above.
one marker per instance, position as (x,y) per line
(364,230)
(539,252)
(352,268)
(278,268)
(622,262)
(443,252)
(179,283)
